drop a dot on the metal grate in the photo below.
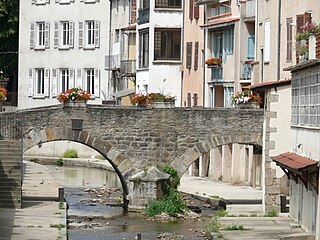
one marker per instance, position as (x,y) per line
(10,127)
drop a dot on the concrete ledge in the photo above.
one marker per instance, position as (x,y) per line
(297,236)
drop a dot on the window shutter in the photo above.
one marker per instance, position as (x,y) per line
(79,82)
(196,55)
(266,41)
(56,35)
(71,80)
(191,9)
(46,34)
(32,35)
(54,82)
(196,12)
(299,23)
(195,99)
(81,32)
(189,100)
(30,82)
(307,18)
(97,33)
(96,83)
(189,55)
(46,82)
(48,1)
(71,34)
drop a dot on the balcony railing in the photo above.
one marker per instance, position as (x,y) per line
(112,62)
(246,71)
(128,67)
(216,73)
(250,8)
(144,14)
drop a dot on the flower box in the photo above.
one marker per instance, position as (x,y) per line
(75,104)
(163,105)
(248,105)
(74,97)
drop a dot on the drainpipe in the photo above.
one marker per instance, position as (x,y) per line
(109,63)
(279,39)
(182,52)
(203,59)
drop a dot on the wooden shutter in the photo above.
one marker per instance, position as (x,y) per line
(191,9)
(307,18)
(32,37)
(54,82)
(133,14)
(46,34)
(71,78)
(196,55)
(56,35)
(71,34)
(30,82)
(196,12)
(289,39)
(97,33)
(96,83)
(195,99)
(81,34)
(189,55)
(189,100)
(300,23)
(79,82)
(46,82)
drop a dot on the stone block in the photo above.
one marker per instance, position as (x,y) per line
(273,189)
(271,114)
(101,146)
(115,156)
(273,98)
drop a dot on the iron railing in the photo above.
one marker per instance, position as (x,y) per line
(216,74)
(10,127)
(112,62)
(250,8)
(128,67)
(144,14)
(246,71)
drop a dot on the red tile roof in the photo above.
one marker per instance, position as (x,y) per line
(271,84)
(294,162)
(227,20)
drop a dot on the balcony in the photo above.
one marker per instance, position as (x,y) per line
(250,11)
(128,68)
(144,14)
(246,71)
(216,73)
(112,62)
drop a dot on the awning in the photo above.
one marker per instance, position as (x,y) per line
(299,167)
(220,23)
(124,93)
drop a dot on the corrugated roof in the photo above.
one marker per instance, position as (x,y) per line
(294,162)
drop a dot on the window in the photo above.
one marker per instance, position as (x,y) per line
(89,34)
(64,1)
(40,2)
(267,49)
(167,44)
(221,8)
(144,49)
(65,78)
(63,34)
(222,43)
(289,39)
(168,3)
(39,35)
(229,40)
(305,108)
(89,84)
(91,81)
(217,44)
(302,19)
(251,46)
(189,55)
(38,82)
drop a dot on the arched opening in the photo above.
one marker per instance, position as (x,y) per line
(51,151)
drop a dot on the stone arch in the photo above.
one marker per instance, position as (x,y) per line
(182,163)
(119,162)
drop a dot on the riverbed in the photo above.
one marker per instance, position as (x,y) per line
(90,216)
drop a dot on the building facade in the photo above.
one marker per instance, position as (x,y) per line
(62,45)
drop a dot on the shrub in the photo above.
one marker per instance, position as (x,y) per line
(235,227)
(59,162)
(221,213)
(272,213)
(213,225)
(174,180)
(70,153)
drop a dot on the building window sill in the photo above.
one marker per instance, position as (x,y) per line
(39,97)
(168,9)
(155,62)
(315,127)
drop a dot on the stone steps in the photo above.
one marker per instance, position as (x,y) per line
(10,173)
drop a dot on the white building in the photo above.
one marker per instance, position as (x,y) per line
(62,44)
(159,47)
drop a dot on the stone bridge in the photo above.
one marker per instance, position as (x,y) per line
(133,139)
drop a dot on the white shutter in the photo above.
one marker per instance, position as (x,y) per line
(266,52)
(56,35)
(54,82)
(71,34)
(79,82)
(46,82)
(96,34)
(71,79)
(46,34)
(47,1)
(32,37)
(96,83)
(81,36)
(57,1)
(30,82)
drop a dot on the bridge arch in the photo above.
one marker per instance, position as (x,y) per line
(119,163)
(182,163)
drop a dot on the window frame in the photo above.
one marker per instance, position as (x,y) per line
(144,53)
(168,4)
(167,49)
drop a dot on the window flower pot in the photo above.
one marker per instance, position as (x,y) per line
(163,105)
(248,105)
(75,104)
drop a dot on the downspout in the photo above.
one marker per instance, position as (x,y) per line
(182,52)
(109,62)
(279,39)
(202,61)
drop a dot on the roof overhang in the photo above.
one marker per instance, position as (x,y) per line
(124,93)
(299,167)
(303,65)
(220,23)
(267,85)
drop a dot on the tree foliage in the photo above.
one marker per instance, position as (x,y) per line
(9,26)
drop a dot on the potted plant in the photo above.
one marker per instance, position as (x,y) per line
(140,100)
(159,100)
(213,62)
(246,99)
(3,93)
(74,97)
